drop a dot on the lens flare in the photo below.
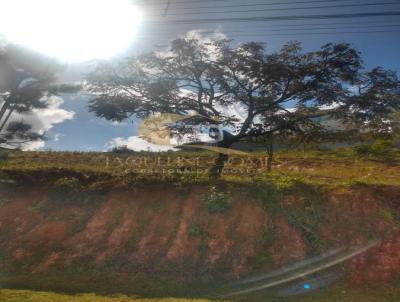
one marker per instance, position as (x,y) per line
(71,30)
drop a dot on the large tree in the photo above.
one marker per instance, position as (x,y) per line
(27,80)
(252,91)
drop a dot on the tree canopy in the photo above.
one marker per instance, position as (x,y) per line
(27,80)
(249,89)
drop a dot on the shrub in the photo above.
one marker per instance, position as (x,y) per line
(307,218)
(3,156)
(217,201)
(195,231)
(67,183)
(381,148)
(122,150)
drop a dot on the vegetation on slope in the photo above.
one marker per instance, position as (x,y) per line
(329,168)
(327,295)
(31,296)
(84,221)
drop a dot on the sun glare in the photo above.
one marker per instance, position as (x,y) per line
(71,30)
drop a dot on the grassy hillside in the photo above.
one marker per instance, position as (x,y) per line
(92,222)
(30,296)
(328,168)
(328,295)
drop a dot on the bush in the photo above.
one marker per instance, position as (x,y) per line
(381,148)
(217,201)
(195,231)
(122,150)
(3,155)
(67,183)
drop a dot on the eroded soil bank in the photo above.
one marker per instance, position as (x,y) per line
(163,237)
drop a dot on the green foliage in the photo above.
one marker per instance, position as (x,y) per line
(31,296)
(334,68)
(281,182)
(260,260)
(195,231)
(381,148)
(183,190)
(22,65)
(217,201)
(68,183)
(307,217)
(272,187)
(267,194)
(203,248)
(122,150)
(326,168)
(387,215)
(328,294)
(269,235)
(355,183)
(304,214)
(391,215)
(3,156)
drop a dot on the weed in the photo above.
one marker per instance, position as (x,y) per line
(331,168)
(387,215)
(217,201)
(270,190)
(4,155)
(269,236)
(67,183)
(203,248)
(122,150)
(182,190)
(260,260)
(355,183)
(381,148)
(307,218)
(195,231)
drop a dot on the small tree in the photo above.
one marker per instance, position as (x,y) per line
(251,91)
(27,80)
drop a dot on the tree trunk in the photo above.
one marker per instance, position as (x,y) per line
(4,109)
(217,168)
(7,118)
(270,152)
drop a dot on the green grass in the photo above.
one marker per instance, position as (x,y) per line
(305,174)
(217,200)
(332,294)
(32,296)
(82,170)
(339,168)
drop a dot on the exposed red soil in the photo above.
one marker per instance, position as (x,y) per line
(183,245)
(381,263)
(251,232)
(151,227)
(289,245)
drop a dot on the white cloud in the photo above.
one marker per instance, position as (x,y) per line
(204,37)
(137,144)
(57,136)
(32,146)
(42,120)
(119,124)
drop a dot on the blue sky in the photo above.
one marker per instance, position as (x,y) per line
(87,132)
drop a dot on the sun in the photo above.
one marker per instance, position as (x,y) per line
(71,30)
